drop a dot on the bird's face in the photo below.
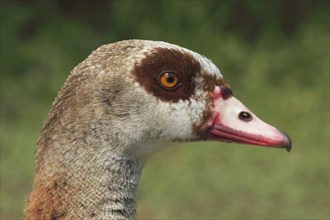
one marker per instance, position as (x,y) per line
(187,99)
(158,93)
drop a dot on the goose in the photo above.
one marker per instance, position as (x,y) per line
(126,101)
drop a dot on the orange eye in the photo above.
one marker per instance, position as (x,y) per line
(169,80)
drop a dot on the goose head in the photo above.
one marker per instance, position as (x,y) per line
(153,93)
(123,103)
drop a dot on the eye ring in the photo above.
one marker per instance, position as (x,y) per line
(169,80)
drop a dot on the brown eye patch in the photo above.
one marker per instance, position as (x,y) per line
(161,60)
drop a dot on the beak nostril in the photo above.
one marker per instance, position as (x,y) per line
(245,116)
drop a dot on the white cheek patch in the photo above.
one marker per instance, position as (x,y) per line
(171,120)
(183,116)
(176,119)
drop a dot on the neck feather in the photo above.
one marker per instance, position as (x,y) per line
(84,169)
(83,182)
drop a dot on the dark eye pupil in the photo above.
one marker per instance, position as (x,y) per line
(245,116)
(170,79)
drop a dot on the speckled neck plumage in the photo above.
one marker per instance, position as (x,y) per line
(101,187)
(84,169)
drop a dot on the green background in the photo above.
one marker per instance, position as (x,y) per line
(274,54)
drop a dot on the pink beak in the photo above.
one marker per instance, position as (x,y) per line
(233,122)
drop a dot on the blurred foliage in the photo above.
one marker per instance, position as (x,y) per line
(275,55)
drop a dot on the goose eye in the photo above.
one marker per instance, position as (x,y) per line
(169,80)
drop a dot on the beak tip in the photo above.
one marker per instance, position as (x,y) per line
(288,148)
(287,144)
